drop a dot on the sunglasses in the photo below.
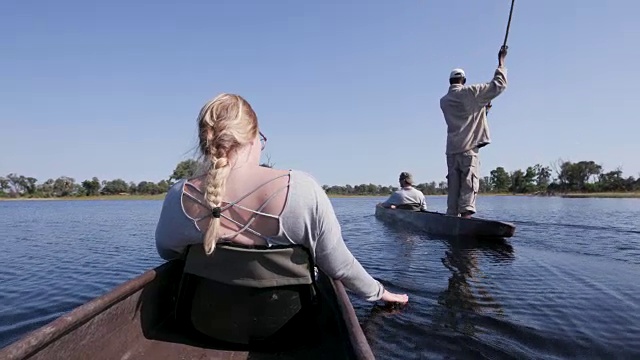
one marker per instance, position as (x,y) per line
(263,140)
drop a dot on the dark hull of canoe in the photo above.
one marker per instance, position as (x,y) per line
(440,224)
(135,321)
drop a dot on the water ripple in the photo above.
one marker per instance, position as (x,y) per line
(558,289)
(564,287)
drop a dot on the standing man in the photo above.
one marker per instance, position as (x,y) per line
(465,112)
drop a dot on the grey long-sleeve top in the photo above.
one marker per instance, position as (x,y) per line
(308,219)
(464,112)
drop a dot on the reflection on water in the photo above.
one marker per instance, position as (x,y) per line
(552,291)
(370,325)
(467,293)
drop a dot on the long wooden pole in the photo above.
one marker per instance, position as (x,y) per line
(506,35)
(504,44)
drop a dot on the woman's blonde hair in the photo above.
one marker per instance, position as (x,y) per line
(225,124)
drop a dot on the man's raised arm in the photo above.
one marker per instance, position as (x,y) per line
(484,93)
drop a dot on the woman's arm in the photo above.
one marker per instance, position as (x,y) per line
(333,256)
(170,233)
(331,253)
(310,220)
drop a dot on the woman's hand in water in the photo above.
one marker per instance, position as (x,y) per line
(390,297)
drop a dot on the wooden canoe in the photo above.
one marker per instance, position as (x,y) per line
(441,224)
(135,321)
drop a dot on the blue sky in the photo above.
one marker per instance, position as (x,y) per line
(346,90)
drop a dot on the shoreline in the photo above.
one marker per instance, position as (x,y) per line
(611,195)
(600,195)
(90,198)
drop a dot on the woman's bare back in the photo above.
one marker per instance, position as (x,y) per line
(263,187)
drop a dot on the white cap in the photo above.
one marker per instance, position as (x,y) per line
(456,73)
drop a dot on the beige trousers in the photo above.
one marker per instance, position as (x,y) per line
(463,182)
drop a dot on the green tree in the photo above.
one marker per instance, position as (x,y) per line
(114,187)
(163,186)
(500,180)
(575,176)
(362,189)
(517,181)
(443,187)
(523,182)
(63,186)
(530,177)
(46,188)
(431,188)
(543,177)
(78,190)
(147,188)
(632,184)
(485,185)
(613,181)
(29,184)
(91,187)
(4,184)
(184,170)
(15,183)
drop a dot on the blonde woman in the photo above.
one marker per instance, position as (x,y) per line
(240,201)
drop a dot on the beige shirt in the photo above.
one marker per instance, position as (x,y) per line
(464,112)
(407,196)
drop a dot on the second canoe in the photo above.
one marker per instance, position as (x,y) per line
(441,224)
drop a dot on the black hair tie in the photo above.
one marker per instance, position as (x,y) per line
(216,212)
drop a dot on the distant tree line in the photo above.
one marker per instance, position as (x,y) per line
(582,176)
(14,185)
(370,189)
(560,177)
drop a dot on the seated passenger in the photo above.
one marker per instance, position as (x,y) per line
(239,201)
(407,197)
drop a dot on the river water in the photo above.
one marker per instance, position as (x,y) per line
(567,285)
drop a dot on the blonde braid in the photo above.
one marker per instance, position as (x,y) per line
(215,186)
(226,123)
